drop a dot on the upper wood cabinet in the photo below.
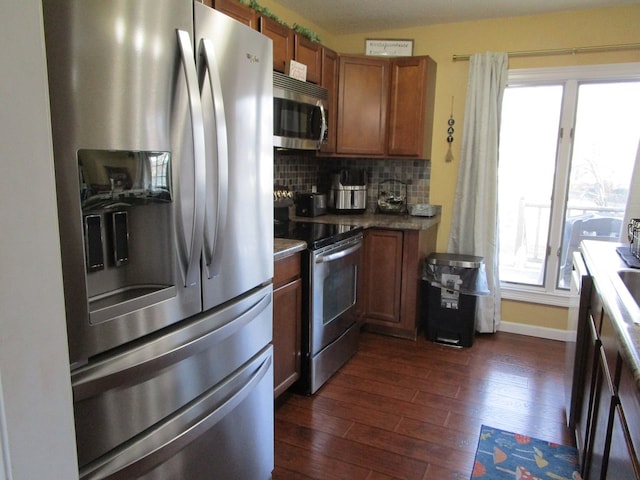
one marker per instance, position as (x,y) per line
(385,106)
(329,80)
(310,53)
(363,92)
(236,10)
(288,45)
(413,87)
(282,37)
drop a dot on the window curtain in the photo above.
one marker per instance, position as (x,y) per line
(474,225)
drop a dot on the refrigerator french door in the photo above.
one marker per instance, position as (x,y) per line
(162,116)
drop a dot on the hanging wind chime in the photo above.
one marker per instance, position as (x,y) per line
(451,122)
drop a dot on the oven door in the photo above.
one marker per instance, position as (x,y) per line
(334,277)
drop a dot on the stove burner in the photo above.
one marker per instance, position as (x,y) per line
(317,235)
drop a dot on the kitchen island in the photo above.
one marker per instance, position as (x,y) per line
(608,412)
(604,263)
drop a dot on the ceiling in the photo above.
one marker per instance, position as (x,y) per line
(358,16)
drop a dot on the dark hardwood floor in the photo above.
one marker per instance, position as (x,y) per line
(413,410)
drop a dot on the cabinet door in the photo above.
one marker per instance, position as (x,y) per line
(591,386)
(329,80)
(412,97)
(610,346)
(600,432)
(383,275)
(630,404)
(282,37)
(623,462)
(310,53)
(362,105)
(236,10)
(287,322)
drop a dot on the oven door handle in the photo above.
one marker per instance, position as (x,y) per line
(342,253)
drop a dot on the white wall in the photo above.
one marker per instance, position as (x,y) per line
(36,416)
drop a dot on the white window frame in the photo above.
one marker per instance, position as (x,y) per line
(570,77)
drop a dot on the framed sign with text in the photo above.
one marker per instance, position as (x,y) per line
(388,47)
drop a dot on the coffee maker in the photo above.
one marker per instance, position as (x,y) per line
(348,193)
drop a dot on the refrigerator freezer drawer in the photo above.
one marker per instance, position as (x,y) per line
(134,390)
(195,441)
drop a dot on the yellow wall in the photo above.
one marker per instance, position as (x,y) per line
(545,316)
(604,26)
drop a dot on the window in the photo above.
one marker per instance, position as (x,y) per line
(568,143)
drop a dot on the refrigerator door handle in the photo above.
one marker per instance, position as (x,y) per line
(217,221)
(191,264)
(132,365)
(163,441)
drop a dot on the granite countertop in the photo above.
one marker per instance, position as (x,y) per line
(283,247)
(376,220)
(603,263)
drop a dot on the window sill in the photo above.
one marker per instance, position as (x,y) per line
(520,294)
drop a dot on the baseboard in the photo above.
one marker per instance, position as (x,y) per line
(535,331)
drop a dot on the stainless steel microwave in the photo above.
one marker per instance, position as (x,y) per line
(299,113)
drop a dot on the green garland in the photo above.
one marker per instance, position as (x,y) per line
(306,32)
(264,11)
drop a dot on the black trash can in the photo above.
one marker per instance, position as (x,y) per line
(450,286)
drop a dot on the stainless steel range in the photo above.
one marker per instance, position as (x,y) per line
(331,266)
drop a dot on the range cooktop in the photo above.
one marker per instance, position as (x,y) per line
(317,235)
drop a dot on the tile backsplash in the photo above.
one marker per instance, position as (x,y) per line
(299,172)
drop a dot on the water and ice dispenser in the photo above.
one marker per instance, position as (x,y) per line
(125,200)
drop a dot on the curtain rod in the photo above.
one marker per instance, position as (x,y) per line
(562,51)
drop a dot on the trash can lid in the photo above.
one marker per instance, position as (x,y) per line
(455,260)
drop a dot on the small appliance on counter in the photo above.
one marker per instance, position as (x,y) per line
(631,253)
(282,200)
(633,230)
(310,204)
(392,197)
(348,192)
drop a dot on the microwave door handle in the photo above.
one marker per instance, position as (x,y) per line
(217,222)
(190,261)
(323,126)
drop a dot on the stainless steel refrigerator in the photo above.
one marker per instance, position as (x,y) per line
(162,116)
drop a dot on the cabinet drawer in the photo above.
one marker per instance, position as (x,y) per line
(286,270)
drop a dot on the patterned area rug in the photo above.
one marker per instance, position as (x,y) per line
(509,456)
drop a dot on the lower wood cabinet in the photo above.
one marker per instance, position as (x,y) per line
(287,322)
(390,286)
